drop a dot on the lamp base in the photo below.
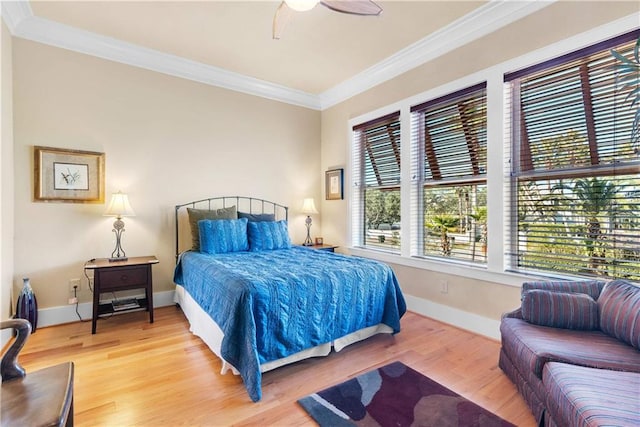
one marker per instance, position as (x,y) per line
(116,259)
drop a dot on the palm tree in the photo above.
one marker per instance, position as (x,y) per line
(479,218)
(444,224)
(595,196)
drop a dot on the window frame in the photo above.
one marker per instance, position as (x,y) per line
(583,70)
(359,153)
(424,158)
(498,136)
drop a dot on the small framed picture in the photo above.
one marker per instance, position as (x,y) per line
(73,176)
(334,184)
(319,241)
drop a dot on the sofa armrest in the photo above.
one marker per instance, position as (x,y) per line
(515,314)
(588,287)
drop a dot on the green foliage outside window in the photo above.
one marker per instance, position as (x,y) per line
(382,213)
(455,222)
(586,226)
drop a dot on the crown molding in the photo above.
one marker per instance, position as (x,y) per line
(484,20)
(14,12)
(478,23)
(22,23)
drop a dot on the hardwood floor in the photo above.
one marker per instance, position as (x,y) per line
(135,373)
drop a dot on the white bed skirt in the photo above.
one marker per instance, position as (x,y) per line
(204,327)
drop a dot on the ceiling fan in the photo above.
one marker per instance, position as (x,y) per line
(353,7)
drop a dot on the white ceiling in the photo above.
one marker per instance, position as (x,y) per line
(322,58)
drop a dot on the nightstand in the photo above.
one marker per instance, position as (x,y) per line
(328,248)
(134,273)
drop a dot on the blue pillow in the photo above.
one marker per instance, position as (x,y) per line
(268,235)
(220,236)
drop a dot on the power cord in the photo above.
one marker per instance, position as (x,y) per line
(87,276)
(75,295)
(75,291)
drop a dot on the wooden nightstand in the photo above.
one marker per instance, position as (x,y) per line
(134,273)
(328,248)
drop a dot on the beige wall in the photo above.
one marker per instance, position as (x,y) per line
(6,176)
(167,141)
(552,24)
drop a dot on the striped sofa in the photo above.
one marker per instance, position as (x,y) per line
(570,347)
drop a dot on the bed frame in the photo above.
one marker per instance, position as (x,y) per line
(243,204)
(201,323)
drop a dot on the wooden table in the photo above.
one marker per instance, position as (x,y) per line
(134,273)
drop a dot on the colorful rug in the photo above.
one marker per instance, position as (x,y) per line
(395,395)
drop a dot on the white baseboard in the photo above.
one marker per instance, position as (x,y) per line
(67,313)
(453,316)
(456,317)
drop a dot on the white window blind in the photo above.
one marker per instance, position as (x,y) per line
(376,192)
(574,170)
(451,133)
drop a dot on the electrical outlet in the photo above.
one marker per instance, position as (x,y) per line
(444,286)
(74,283)
(73,300)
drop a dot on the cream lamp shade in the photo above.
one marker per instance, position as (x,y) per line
(119,206)
(309,207)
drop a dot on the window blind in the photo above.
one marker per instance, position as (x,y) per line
(376,201)
(575,171)
(451,133)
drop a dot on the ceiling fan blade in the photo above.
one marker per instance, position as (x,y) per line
(353,7)
(280,20)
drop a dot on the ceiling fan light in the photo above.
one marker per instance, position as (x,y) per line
(301,5)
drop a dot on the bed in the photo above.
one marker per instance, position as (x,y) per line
(260,302)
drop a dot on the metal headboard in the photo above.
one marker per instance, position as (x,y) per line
(243,204)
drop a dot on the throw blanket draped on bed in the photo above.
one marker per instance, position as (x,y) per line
(272,304)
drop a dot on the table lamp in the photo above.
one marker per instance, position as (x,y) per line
(309,208)
(119,207)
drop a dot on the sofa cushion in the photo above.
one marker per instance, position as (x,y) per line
(589,287)
(579,396)
(529,386)
(560,309)
(619,306)
(531,346)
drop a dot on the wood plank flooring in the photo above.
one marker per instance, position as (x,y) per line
(135,373)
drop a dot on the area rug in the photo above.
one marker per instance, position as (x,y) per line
(395,395)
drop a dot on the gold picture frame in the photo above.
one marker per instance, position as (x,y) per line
(334,185)
(68,176)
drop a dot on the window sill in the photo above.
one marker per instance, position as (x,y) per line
(455,268)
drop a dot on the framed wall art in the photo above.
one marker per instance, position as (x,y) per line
(334,185)
(70,176)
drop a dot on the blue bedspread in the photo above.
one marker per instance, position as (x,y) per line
(272,304)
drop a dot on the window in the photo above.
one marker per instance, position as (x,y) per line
(376,195)
(575,183)
(449,135)
(534,171)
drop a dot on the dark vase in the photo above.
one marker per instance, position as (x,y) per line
(27,307)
